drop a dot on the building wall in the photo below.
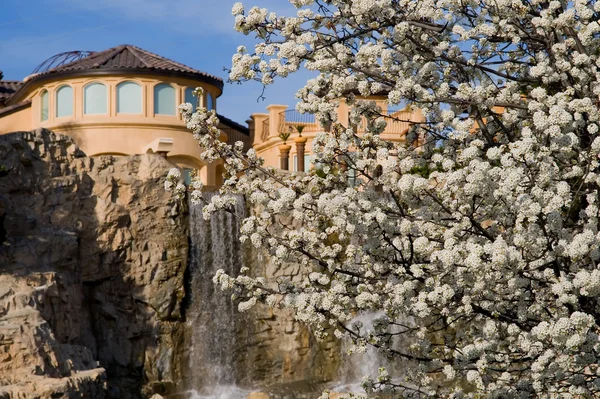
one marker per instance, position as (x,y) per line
(268,126)
(115,133)
(17,121)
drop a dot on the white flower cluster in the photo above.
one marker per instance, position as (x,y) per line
(479,239)
(173,183)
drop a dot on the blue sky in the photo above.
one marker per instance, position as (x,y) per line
(198,33)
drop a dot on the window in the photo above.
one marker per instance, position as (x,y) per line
(352,181)
(210,103)
(164,99)
(94,99)
(44,97)
(190,98)
(129,98)
(307,164)
(64,101)
(187,174)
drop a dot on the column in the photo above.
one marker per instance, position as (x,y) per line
(300,145)
(284,152)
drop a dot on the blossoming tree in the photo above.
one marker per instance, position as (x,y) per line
(478,245)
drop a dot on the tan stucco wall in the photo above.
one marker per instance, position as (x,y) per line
(269,150)
(266,142)
(16,121)
(114,133)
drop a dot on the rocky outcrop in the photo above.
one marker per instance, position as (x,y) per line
(92,259)
(93,263)
(282,353)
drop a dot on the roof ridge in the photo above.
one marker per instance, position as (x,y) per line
(164,58)
(227,121)
(136,52)
(112,60)
(110,53)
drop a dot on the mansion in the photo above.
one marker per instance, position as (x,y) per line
(124,101)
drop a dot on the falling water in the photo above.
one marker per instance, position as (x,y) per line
(214,322)
(212,316)
(356,366)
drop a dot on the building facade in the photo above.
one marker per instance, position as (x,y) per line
(121,101)
(124,100)
(268,127)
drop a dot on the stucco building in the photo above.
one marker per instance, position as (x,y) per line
(120,101)
(123,101)
(267,127)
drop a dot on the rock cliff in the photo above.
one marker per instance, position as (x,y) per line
(92,259)
(93,279)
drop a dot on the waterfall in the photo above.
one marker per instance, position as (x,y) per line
(358,365)
(218,334)
(213,319)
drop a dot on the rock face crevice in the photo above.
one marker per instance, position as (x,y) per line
(92,259)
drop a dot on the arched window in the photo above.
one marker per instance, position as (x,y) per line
(190,98)
(129,98)
(210,102)
(44,101)
(94,99)
(164,99)
(188,175)
(64,101)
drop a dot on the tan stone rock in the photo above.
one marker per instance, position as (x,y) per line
(92,253)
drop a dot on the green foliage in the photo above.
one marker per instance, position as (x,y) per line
(284,136)
(423,170)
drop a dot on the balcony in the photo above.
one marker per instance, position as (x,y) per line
(288,120)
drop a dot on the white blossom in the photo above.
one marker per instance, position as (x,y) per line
(480,241)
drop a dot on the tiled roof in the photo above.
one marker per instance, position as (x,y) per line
(127,57)
(233,124)
(235,132)
(7,89)
(15,107)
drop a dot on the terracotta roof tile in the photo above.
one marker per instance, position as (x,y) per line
(127,57)
(233,124)
(7,88)
(235,132)
(15,107)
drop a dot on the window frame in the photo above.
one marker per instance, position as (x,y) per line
(154,96)
(196,101)
(106,95)
(57,107)
(44,93)
(210,101)
(117,97)
(308,165)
